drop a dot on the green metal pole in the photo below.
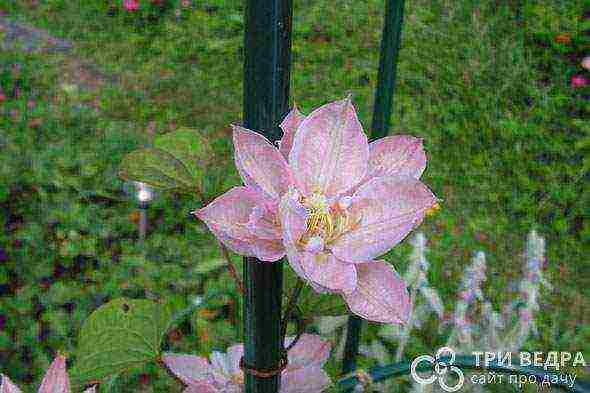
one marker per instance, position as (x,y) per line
(390,45)
(266,94)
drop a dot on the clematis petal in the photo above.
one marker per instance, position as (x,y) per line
(326,270)
(91,389)
(238,246)
(380,295)
(229,218)
(310,350)
(330,152)
(305,380)
(289,127)
(234,354)
(190,369)
(219,362)
(386,210)
(260,164)
(293,216)
(268,250)
(56,379)
(399,155)
(229,213)
(319,288)
(6,385)
(262,223)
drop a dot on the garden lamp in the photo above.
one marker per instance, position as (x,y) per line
(144,194)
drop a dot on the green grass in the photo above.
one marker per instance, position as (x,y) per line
(507,142)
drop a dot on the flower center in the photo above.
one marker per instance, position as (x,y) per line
(324,223)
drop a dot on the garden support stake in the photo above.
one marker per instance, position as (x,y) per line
(266,94)
(390,45)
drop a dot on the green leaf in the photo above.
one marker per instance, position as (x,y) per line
(121,335)
(158,168)
(189,147)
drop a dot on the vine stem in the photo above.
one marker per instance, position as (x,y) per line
(291,305)
(231,268)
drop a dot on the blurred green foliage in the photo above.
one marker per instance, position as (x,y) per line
(485,84)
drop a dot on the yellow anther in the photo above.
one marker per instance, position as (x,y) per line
(433,210)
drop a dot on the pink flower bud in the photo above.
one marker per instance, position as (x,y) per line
(586,62)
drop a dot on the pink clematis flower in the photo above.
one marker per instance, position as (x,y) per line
(56,380)
(349,203)
(222,372)
(329,200)
(131,5)
(578,81)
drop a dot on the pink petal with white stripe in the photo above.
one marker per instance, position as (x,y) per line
(386,210)
(326,270)
(7,386)
(190,369)
(260,164)
(56,378)
(399,155)
(330,152)
(380,295)
(289,127)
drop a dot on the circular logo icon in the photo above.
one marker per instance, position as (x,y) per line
(443,363)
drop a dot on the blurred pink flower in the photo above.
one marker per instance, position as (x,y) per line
(586,62)
(55,381)
(578,81)
(131,5)
(222,373)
